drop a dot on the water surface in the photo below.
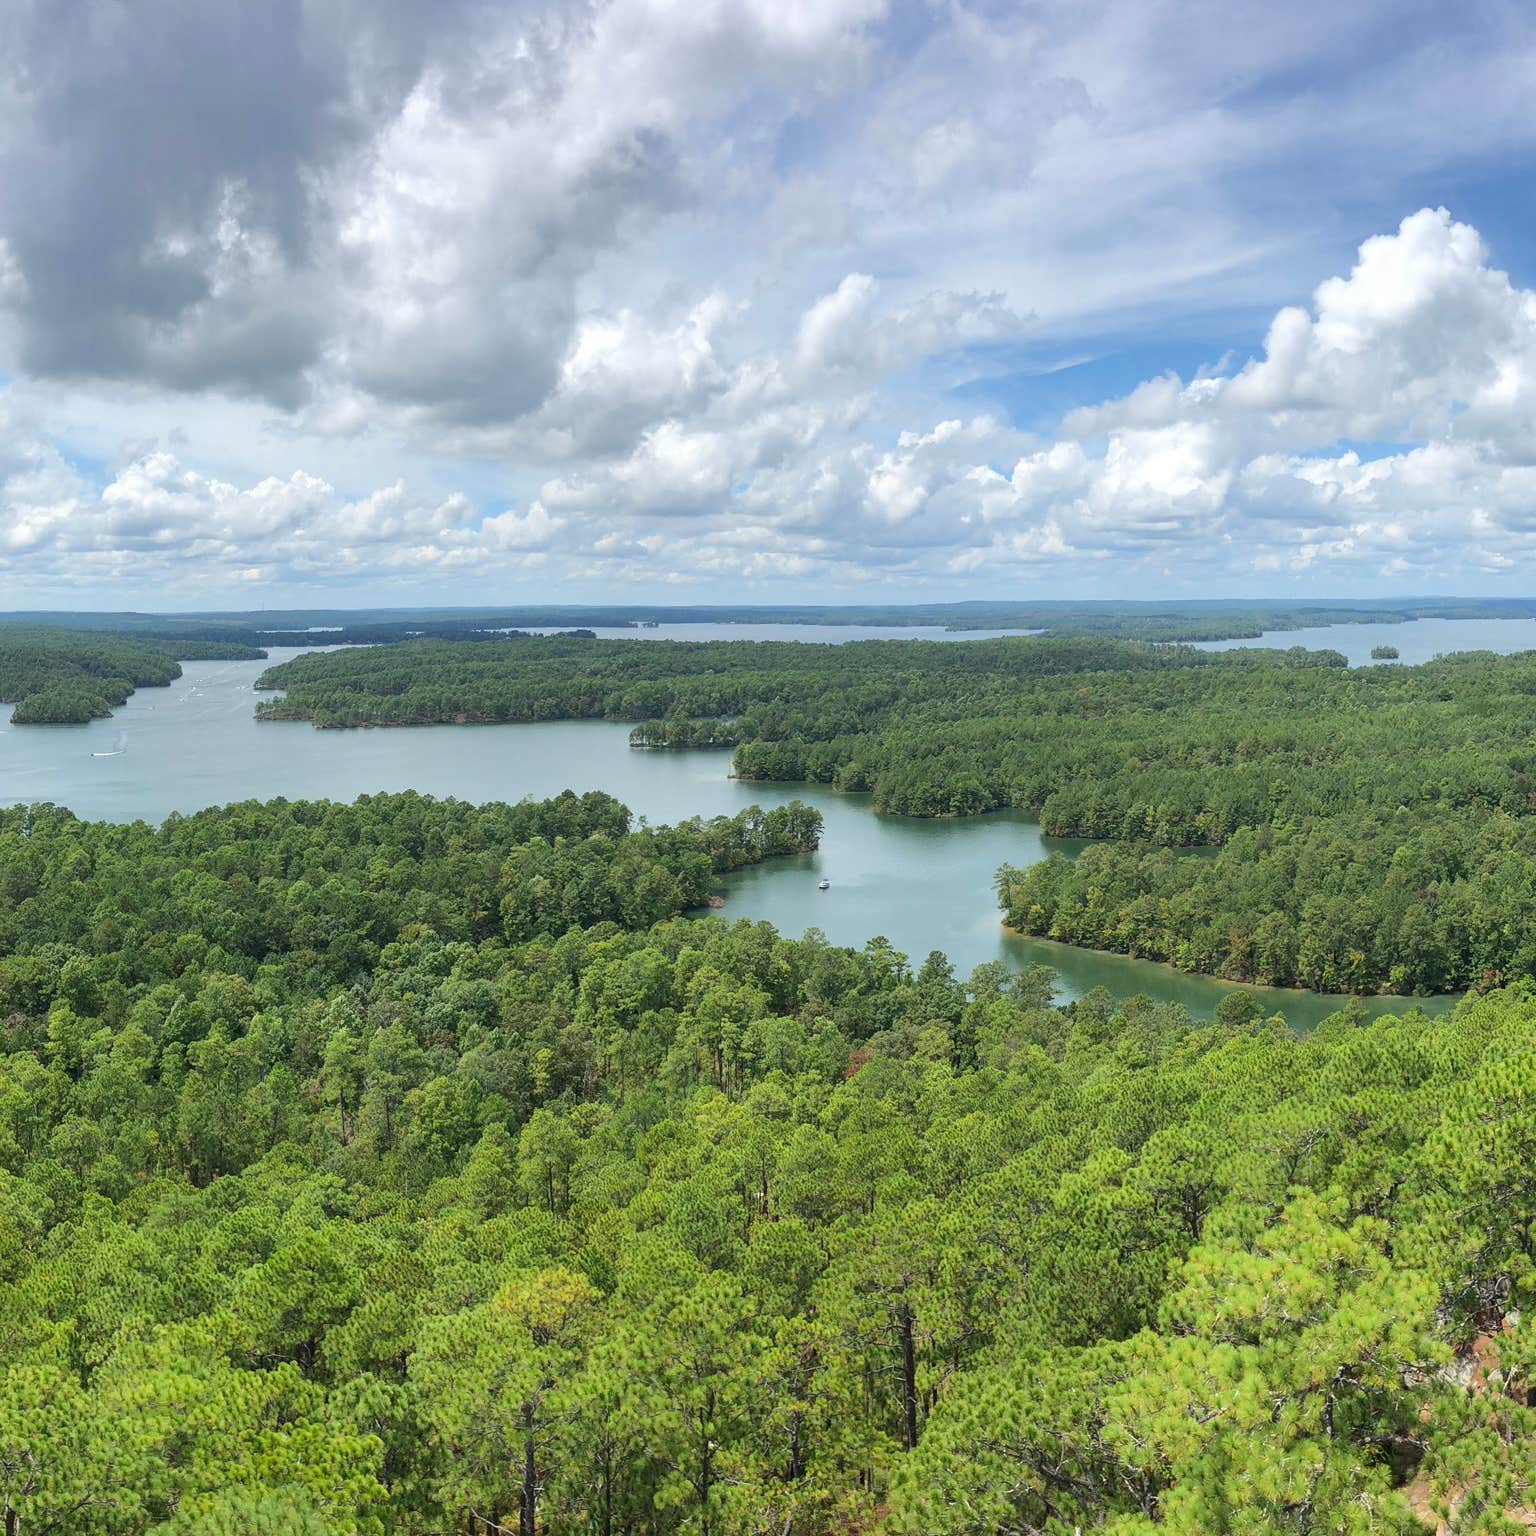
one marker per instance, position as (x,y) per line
(1416,639)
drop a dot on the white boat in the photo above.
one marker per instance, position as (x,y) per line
(821,885)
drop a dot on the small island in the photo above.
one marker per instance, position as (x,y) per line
(1384,653)
(60,706)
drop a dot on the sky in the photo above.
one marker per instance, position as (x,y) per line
(370,301)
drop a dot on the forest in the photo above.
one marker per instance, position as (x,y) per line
(1354,830)
(66,677)
(411,1167)
(778,691)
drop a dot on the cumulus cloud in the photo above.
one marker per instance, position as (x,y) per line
(156,518)
(624,372)
(843,332)
(628,291)
(1421,329)
(768,468)
(309,199)
(1423,342)
(1257,470)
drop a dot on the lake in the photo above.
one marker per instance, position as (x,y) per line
(1416,640)
(922,885)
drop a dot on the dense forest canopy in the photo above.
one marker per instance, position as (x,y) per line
(1373,826)
(329,884)
(390,1168)
(544,678)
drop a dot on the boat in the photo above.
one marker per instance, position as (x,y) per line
(821,885)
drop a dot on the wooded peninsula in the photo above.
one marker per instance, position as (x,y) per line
(1356,829)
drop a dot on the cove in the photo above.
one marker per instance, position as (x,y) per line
(921,885)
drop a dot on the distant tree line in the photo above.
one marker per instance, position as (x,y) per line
(66,677)
(1211,619)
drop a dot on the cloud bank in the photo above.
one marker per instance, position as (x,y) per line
(585,296)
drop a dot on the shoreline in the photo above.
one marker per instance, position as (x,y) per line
(1441,1000)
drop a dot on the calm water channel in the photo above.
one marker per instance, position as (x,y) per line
(1416,641)
(922,885)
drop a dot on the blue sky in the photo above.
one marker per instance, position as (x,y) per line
(764,300)
(1036,381)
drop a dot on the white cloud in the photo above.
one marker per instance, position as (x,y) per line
(767,469)
(1420,332)
(158,519)
(833,328)
(635,290)
(624,372)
